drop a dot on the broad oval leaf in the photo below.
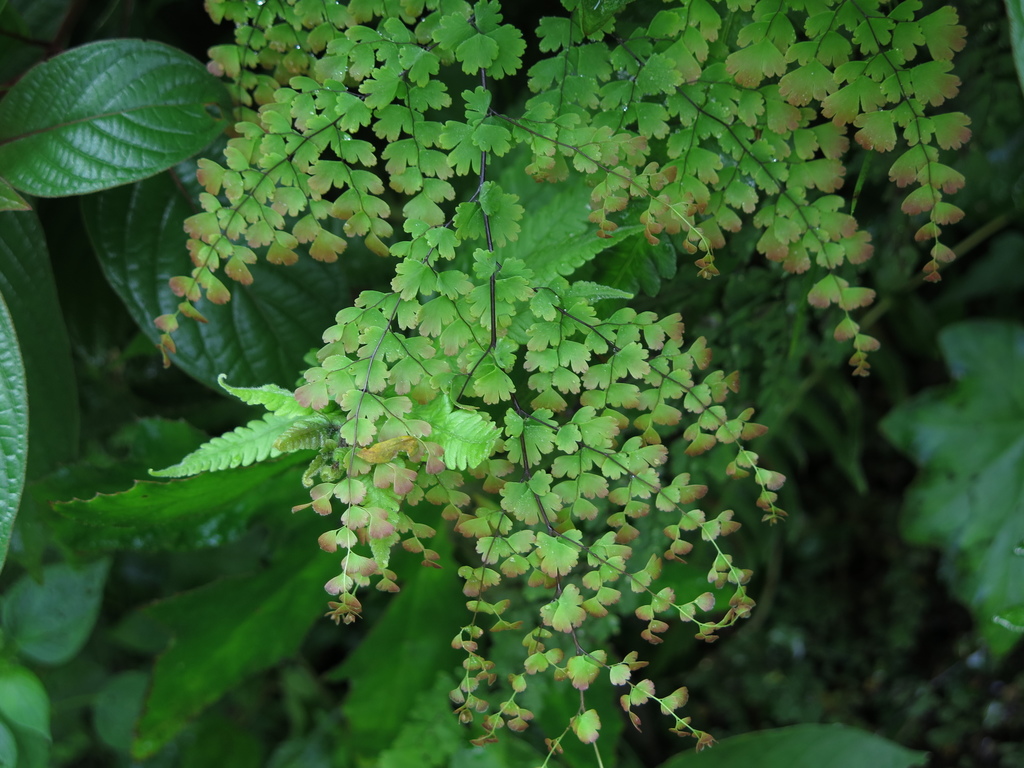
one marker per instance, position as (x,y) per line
(13,428)
(107,114)
(46,625)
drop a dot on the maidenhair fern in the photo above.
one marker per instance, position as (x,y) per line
(534,410)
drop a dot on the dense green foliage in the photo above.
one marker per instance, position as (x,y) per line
(531,472)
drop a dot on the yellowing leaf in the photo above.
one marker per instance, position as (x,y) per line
(387,450)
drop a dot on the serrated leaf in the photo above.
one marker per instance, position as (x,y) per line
(587,726)
(105,114)
(196,512)
(467,437)
(557,238)
(279,401)
(565,612)
(635,265)
(238,448)
(593,16)
(558,555)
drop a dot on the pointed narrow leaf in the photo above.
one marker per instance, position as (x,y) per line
(240,447)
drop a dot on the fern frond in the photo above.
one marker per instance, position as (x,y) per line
(280,402)
(239,448)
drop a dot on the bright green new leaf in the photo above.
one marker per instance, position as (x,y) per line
(50,622)
(468,437)
(970,501)
(566,611)
(105,114)
(13,428)
(587,726)
(558,555)
(279,401)
(240,447)
(803,746)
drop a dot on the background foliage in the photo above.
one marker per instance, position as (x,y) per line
(190,635)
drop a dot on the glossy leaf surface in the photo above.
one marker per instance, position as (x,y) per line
(13,428)
(27,283)
(106,114)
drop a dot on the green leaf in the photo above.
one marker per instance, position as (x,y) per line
(240,447)
(803,746)
(225,632)
(566,611)
(50,622)
(25,710)
(587,726)
(558,555)
(27,283)
(1015,13)
(10,200)
(634,265)
(416,631)
(260,336)
(468,437)
(13,428)
(105,114)
(202,511)
(279,401)
(969,502)
(592,16)
(23,25)
(116,708)
(557,237)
